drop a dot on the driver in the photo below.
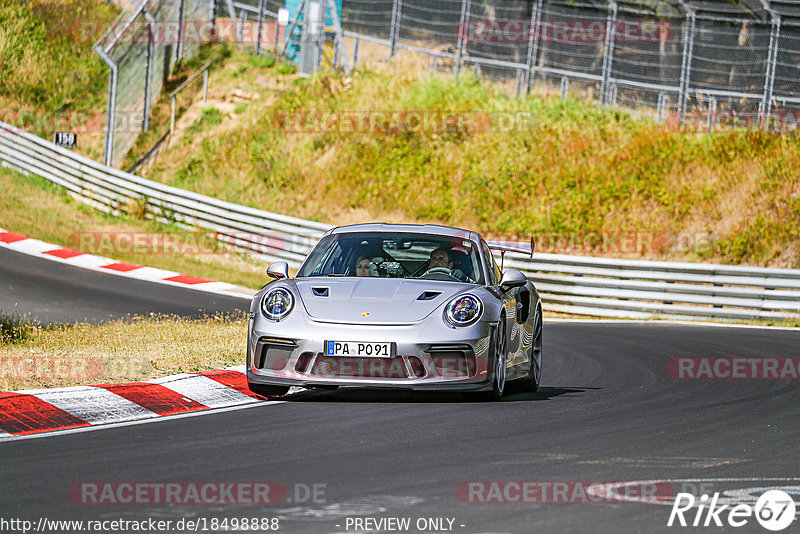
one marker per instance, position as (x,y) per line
(442,258)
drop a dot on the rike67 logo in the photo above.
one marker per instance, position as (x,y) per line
(774,510)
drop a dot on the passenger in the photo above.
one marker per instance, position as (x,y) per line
(362,266)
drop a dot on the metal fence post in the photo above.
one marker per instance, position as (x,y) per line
(261,9)
(686,63)
(461,34)
(661,107)
(533,43)
(212,19)
(151,23)
(112,103)
(394,29)
(240,28)
(608,52)
(355,52)
(712,113)
(772,58)
(181,24)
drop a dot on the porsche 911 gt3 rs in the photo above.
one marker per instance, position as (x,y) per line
(420,307)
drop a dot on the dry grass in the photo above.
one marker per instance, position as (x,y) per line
(121,351)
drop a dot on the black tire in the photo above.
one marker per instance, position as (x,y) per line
(497,349)
(268,391)
(530,382)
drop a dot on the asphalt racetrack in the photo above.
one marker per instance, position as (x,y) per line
(52,292)
(608,411)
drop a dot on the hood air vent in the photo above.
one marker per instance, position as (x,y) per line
(429,295)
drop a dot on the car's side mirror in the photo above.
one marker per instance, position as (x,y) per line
(511,279)
(278,270)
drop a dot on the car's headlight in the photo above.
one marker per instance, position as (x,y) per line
(277,303)
(463,310)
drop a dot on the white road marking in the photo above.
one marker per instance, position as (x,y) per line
(94,405)
(667,322)
(162,419)
(203,390)
(33,246)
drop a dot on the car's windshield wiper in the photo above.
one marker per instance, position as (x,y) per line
(324,274)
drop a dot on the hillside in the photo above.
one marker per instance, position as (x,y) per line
(579,179)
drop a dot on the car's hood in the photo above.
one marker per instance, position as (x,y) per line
(374,300)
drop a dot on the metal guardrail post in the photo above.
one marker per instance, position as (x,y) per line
(205,86)
(262,6)
(148,82)
(608,51)
(769,82)
(564,87)
(394,29)
(686,64)
(463,33)
(112,103)
(355,52)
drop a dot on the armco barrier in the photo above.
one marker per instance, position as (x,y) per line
(580,285)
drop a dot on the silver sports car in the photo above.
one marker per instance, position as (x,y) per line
(420,307)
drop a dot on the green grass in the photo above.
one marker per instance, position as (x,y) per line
(45,57)
(209,118)
(559,168)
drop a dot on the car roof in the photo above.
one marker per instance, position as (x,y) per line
(435,229)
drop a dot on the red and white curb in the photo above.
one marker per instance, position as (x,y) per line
(36,411)
(34,247)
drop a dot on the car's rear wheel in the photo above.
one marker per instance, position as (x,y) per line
(268,391)
(533,378)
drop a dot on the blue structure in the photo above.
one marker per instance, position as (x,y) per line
(293,50)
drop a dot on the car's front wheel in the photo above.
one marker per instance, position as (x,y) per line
(268,391)
(498,352)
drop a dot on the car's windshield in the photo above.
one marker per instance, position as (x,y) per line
(393,255)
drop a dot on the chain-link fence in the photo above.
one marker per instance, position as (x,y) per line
(705,64)
(140,49)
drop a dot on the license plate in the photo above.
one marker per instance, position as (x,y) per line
(358,348)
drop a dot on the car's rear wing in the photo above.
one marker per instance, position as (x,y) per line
(511,246)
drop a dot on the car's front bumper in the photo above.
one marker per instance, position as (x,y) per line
(428,355)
